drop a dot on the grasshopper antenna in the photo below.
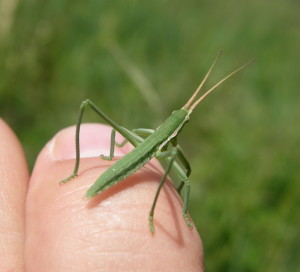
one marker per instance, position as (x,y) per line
(194,105)
(191,100)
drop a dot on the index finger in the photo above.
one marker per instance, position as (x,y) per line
(13,186)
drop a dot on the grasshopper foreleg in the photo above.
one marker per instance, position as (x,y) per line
(183,175)
(170,156)
(161,183)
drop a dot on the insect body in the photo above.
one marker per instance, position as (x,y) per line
(141,154)
(149,144)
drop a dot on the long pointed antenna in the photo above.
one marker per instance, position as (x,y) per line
(194,105)
(191,100)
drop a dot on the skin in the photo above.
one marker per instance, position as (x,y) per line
(59,230)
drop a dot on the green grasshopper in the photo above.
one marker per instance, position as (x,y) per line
(148,144)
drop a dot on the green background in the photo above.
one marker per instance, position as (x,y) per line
(139,60)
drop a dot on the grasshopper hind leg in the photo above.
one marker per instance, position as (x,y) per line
(77,160)
(129,136)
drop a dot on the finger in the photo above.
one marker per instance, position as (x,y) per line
(67,232)
(13,185)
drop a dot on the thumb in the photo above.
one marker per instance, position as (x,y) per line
(66,232)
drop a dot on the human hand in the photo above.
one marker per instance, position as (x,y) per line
(45,226)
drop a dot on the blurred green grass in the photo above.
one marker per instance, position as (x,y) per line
(243,141)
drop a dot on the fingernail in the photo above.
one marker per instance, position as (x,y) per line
(94,141)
